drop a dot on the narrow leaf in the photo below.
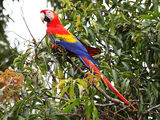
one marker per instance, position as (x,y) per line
(71,92)
(63,91)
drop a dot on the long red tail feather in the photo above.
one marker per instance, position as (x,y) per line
(109,85)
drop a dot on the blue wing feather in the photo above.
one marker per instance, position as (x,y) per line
(77,48)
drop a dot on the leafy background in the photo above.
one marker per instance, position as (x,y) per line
(56,86)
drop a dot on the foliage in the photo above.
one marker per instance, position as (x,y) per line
(127,32)
(7,54)
(11,83)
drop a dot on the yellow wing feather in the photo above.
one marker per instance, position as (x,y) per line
(67,38)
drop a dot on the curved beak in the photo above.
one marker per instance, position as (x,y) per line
(42,17)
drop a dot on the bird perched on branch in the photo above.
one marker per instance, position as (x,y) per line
(69,42)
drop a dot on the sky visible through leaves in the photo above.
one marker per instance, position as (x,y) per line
(16,27)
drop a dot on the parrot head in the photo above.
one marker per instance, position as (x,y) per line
(49,16)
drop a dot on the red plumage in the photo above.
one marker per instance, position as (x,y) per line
(55,27)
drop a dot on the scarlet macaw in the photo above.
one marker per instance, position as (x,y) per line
(68,41)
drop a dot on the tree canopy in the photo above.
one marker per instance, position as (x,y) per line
(47,84)
(7,53)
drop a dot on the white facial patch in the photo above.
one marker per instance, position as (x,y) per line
(50,15)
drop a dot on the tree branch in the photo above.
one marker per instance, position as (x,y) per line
(55,97)
(108,97)
(150,109)
(36,55)
(34,40)
(19,35)
(113,99)
(69,114)
(104,105)
(41,41)
(116,114)
(70,61)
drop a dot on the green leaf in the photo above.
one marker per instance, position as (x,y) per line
(80,88)
(83,84)
(112,27)
(72,105)
(13,91)
(95,113)
(128,74)
(147,17)
(126,66)
(158,26)
(62,82)
(155,91)
(19,106)
(106,65)
(88,109)
(125,83)
(71,92)
(21,118)
(123,16)
(27,68)
(157,49)
(92,36)
(114,75)
(86,30)
(119,52)
(155,4)
(63,91)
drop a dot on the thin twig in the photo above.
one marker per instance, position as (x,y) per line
(36,55)
(113,99)
(150,109)
(18,35)
(55,97)
(123,108)
(41,41)
(101,43)
(113,6)
(108,116)
(108,97)
(104,105)
(116,114)
(22,14)
(69,114)
(70,61)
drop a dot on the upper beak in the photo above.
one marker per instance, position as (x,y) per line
(42,17)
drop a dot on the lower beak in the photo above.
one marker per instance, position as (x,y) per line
(42,17)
